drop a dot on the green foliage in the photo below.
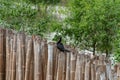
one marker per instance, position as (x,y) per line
(117,48)
(110,25)
(93,24)
(24,16)
(117,55)
(44,1)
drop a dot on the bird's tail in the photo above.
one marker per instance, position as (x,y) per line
(67,50)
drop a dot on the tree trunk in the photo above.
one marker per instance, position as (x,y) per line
(94,47)
(107,52)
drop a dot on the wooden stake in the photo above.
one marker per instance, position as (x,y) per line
(49,75)
(68,67)
(72,66)
(28,58)
(20,56)
(37,59)
(13,69)
(8,47)
(2,64)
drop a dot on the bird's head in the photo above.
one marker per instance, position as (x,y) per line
(60,38)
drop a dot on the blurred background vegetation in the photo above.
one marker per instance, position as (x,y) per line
(92,25)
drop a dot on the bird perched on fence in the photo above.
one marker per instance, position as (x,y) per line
(60,46)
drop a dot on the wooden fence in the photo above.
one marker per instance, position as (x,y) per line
(25,57)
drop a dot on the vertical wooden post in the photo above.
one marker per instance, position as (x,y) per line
(4,55)
(97,76)
(93,72)
(87,71)
(68,67)
(82,66)
(2,62)
(8,38)
(49,75)
(55,60)
(118,71)
(72,66)
(61,66)
(77,71)
(109,71)
(31,73)
(101,72)
(44,54)
(11,56)
(23,54)
(28,58)
(37,59)
(64,67)
(13,62)
(20,56)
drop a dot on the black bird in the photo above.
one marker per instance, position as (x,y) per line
(60,46)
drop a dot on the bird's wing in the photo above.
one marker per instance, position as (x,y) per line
(60,46)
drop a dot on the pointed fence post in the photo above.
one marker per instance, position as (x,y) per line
(49,75)
(61,66)
(118,71)
(44,54)
(28,58)
(93,72)
(13,58)
(20,56)
(77,71)
(2,53)
(37,59)
(87,70)
(56,53)
(72,66)
(8,50)
(67,67)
